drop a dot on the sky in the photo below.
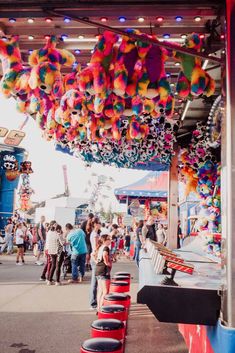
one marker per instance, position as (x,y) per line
(47,179)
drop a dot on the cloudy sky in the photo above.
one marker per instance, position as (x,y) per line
(47,180)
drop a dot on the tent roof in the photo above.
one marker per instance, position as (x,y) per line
(153,185)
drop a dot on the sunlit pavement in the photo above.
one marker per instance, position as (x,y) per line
(36,318)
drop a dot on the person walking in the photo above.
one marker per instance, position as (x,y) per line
(41,233)
(60,253)
(8,238)
(138,242)
(87,227)
(19,240)
(103,269)
(51,246)
(94,239)
(161,234)
(151,233)
(77,240)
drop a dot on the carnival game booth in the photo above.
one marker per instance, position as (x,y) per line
(10,158)
(150,192)
(133,87)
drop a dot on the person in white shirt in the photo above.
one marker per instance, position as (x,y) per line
(8,238)
(161,234)
(51,246)
(94,239)
(19,238)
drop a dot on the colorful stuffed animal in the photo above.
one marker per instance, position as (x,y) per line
(46,65)
(15,80)
(71,108)
(95,79)
(193,80)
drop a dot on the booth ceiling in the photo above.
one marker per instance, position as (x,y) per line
(170,21)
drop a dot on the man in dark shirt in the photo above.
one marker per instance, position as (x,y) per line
(179,235)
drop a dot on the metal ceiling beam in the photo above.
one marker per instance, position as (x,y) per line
(164,44)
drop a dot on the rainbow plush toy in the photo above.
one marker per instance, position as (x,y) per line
(193,80)
(46,65)
(95,80)
(15,80)
(71,108)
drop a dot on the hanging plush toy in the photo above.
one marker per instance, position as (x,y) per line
(71,108)
(95,80)
(26,167)
(10,164)
(46,65)
(15,80)
(193,80)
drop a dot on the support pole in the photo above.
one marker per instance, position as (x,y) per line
(173,203)
(228,173)
(145,39)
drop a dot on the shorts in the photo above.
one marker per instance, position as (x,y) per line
(127,248)
(40,245)
(103,278)
(20,246)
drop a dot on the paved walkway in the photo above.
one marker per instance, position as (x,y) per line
(36,318)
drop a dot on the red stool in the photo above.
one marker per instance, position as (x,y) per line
(110,328)
(123,274)
(119,287)
(115,311)
(117,298)
(100,345)
(122,278)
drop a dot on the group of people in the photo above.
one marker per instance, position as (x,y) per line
(92,245)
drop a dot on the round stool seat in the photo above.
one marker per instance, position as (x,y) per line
(121,278)
(113,311)
(119,283)
(115,308)
(122,274)
(108,328)
(99,345)
(117,296)
(107,324)
(119,286)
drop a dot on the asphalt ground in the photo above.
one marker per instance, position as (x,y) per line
(36,318)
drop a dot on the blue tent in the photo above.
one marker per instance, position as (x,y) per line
(153,186)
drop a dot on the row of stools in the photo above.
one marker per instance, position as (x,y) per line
(109,331)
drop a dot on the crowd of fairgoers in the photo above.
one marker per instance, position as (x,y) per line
(90,246)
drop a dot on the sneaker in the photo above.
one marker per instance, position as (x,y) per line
(39,263)
(49,283)
(42,279)
(93,307)
(72,281)
(19,264)
(80,279)
(58,283)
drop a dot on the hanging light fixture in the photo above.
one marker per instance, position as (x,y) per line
(67,19)
(30,37)
(141,19)
(122,19)
(197,18)
(103,19)
(48,19)
(166,36)
(77,51)
(178,18)
(30,20)
(12,20)
(159,19)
